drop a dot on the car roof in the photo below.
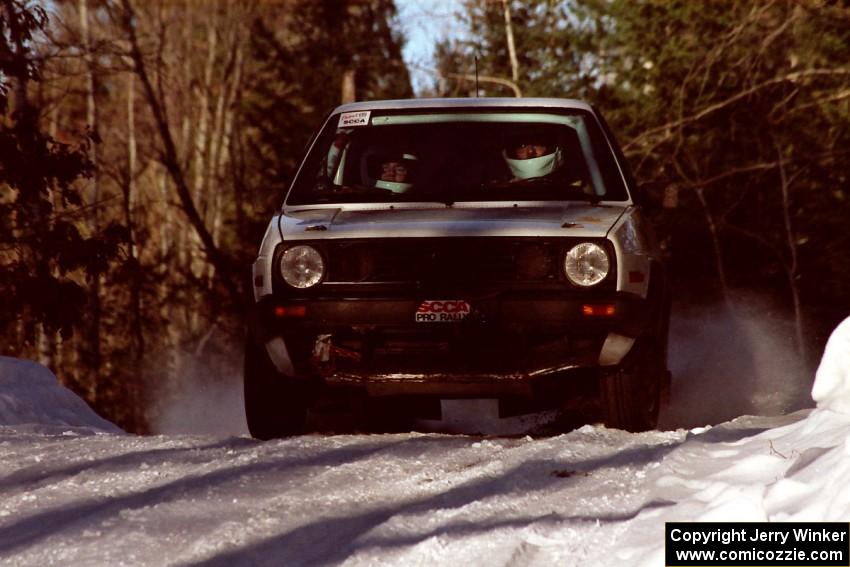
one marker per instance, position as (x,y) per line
(478,102)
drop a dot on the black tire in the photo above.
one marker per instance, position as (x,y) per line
(275,405)
(631,393)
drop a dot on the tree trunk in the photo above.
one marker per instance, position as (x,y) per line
(94,197)
(715,243)
(509,34)
(46,346)
(349,93)
(135,396)
(791,269)
(201,162)
(223,133)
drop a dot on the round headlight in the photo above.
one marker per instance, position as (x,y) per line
(302,266)
(586,264)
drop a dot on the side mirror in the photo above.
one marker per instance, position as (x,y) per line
(655,197)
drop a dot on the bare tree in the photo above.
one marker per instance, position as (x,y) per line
(169,155)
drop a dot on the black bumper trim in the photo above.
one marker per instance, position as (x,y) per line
(514,310)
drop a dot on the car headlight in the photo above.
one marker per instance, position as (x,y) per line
(586,264)
(302,266)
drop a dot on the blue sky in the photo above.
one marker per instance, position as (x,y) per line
(425,22)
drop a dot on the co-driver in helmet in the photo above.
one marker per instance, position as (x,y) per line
(532,154)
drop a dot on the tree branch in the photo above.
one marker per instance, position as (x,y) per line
(666,129)
(170,159)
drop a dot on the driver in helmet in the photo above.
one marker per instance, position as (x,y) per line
(532,154)
(396,172)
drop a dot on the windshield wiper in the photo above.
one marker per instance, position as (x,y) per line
(575,193)
(328,193)
(564,191)
(516,183)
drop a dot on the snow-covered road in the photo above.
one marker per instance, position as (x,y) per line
(590,497)
(76,492)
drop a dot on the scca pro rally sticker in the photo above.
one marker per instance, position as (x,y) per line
(442,310)
(354,118)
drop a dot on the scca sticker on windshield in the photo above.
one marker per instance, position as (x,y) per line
(360,118)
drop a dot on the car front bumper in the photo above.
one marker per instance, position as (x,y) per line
(505,344)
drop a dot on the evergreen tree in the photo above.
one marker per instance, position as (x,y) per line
(45,260)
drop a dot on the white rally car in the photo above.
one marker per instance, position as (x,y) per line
(459,248)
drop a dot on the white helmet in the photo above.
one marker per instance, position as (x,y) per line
(534,167)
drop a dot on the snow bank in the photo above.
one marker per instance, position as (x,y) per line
(757,469)
(752,469)
(30,394)
(832,381)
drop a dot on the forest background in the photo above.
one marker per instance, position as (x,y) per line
(145,144)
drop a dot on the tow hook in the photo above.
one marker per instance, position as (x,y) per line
(325,355)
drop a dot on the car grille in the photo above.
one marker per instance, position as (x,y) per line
(424,260)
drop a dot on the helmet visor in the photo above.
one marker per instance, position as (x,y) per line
(395,168)
(529,145)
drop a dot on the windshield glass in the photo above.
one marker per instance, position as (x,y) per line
(369,156)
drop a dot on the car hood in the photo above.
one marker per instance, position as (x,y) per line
(579,220)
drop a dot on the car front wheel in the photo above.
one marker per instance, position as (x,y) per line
(631,393)
(275,405)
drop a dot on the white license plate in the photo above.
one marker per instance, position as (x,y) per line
(442,311)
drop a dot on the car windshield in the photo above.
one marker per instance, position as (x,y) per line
(372,157)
